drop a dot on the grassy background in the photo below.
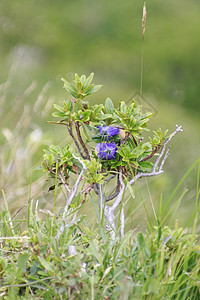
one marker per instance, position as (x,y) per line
(42,40)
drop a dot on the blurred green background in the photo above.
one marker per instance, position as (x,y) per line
(44,40)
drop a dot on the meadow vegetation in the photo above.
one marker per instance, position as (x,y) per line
(160,263)
(42,259)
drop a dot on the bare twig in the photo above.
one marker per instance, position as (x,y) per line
(178,129)
(152,153)
(70,198)
(85,192)
(164,159)
(75,187)
(69,128)
(136,144)
(119,197)
(62,180)
(122,222)
(81,141)
(110,178)
(96,188)
(109,211)
(158,160)
(139,175)
(114,195)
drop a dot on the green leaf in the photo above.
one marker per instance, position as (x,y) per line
(93,89)
(88,81)
(22,260)
(124,151)
(121,114)
(86,115)
(83,78)
(105,116)
(135,163)
(58,107)
(51,159)
(58,115)
(109,107)
(77,78)
(68,106)
(97,109)
(122,107)
(45,264)
(143,122)
(54,149)
(141,240)
(70,88)
(146,166)
(33,268)
(87,131)
(138,151)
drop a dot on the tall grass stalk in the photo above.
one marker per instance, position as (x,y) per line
(55,195)
(7,221)
(179,184)
(29,199)
(150,197)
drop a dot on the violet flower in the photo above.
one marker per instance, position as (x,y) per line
(106,150)
(108,131)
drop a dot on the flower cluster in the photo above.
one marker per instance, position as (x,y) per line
(108,131)
(107,150)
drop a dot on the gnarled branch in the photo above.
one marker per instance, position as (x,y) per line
(70,198)
(159,159)
(109,210)
(81,140)
(69,128)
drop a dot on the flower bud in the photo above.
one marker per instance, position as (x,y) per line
(122,134)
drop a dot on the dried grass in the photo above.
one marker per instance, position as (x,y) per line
(21,138)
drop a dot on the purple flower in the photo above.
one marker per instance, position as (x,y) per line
(108,131)
(106,150)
